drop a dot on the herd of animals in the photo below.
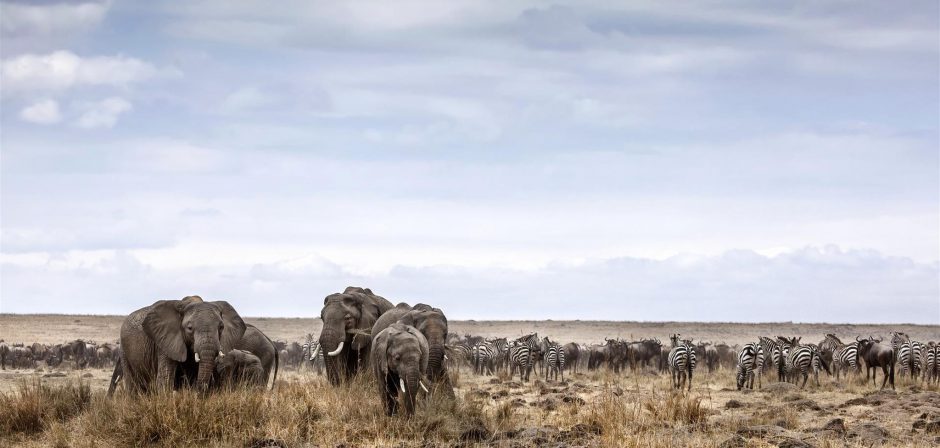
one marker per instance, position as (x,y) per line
(192,343)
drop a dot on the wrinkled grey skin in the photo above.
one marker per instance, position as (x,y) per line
(348,318)
(160,343)
(239,369)
(400,358)
(261,346)
(432,323)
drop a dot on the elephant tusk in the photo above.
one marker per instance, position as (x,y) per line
(401,383)
(338,349)
(446,358)
(197,356)
(221,354)
(424,387)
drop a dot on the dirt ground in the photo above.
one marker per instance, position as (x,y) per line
(56,328)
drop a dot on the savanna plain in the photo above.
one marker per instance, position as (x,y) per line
(67,406)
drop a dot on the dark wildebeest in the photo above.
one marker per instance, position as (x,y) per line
(875,354)
(643,352)
(597,357)
(572,354)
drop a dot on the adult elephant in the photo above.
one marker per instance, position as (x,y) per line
(348,318)
(260,345)
(175,342)
(432,323)
(399,363)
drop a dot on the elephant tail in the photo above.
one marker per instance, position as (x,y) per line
(116,376)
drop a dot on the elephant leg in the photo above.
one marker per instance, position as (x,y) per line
(390,394)
(166,373)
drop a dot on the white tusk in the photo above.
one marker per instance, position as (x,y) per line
(424,387)
(197,356)
(221,354)
(401,383)
(446,358)
(338,349)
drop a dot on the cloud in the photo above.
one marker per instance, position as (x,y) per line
(102,114)
(804,285)
(42,112)
(57,20)
(62,70)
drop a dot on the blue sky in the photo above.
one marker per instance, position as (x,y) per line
(752,161)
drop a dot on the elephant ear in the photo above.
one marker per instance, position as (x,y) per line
(380,352)
(164,326)
(423,342)
(234,326)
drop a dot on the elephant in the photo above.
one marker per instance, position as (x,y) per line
(399,361)
(239,368)
(347,318)
(175,342)
(260,345)
(432,323)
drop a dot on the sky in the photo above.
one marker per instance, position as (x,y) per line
(695,161)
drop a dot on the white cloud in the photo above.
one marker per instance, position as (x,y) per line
(62,70)
(43,112)
(102,114)
(43,20)
(807,285)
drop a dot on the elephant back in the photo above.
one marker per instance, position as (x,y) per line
(390,317)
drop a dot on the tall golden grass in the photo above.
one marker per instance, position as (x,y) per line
(635,411)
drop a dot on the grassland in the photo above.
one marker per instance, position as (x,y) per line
(586,409)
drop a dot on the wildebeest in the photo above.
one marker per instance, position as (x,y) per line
(572,355)
(875,354)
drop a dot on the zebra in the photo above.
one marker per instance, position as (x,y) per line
(554,359)
(750,363)
(775,353)
(462,350)
(844,356)
(311,352)
(485,355)
(522,355)
(932,362)
(681,361)
(909,354)
(801,359)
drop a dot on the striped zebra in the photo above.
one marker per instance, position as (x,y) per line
(844,356)
(485,355)
(554,359)
(312,353)
(522,355)
(802,359)
(462,353)
(775,354)
(750,363)
(501,350)
(681,361)
(932,362)
(909,354)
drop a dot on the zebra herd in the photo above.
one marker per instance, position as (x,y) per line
(490,356)
(793,360)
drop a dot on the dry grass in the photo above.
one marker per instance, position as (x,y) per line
(32,407)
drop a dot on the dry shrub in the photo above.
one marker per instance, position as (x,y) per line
(677,407)
(33,406)
(296,413)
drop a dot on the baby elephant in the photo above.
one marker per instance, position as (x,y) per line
(399,360)
(239,368)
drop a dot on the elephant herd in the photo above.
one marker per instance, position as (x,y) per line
(78,354)
(206,345)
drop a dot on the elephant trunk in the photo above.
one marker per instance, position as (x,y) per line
(435,362)
(411,389)
(206,361)
(330,341)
